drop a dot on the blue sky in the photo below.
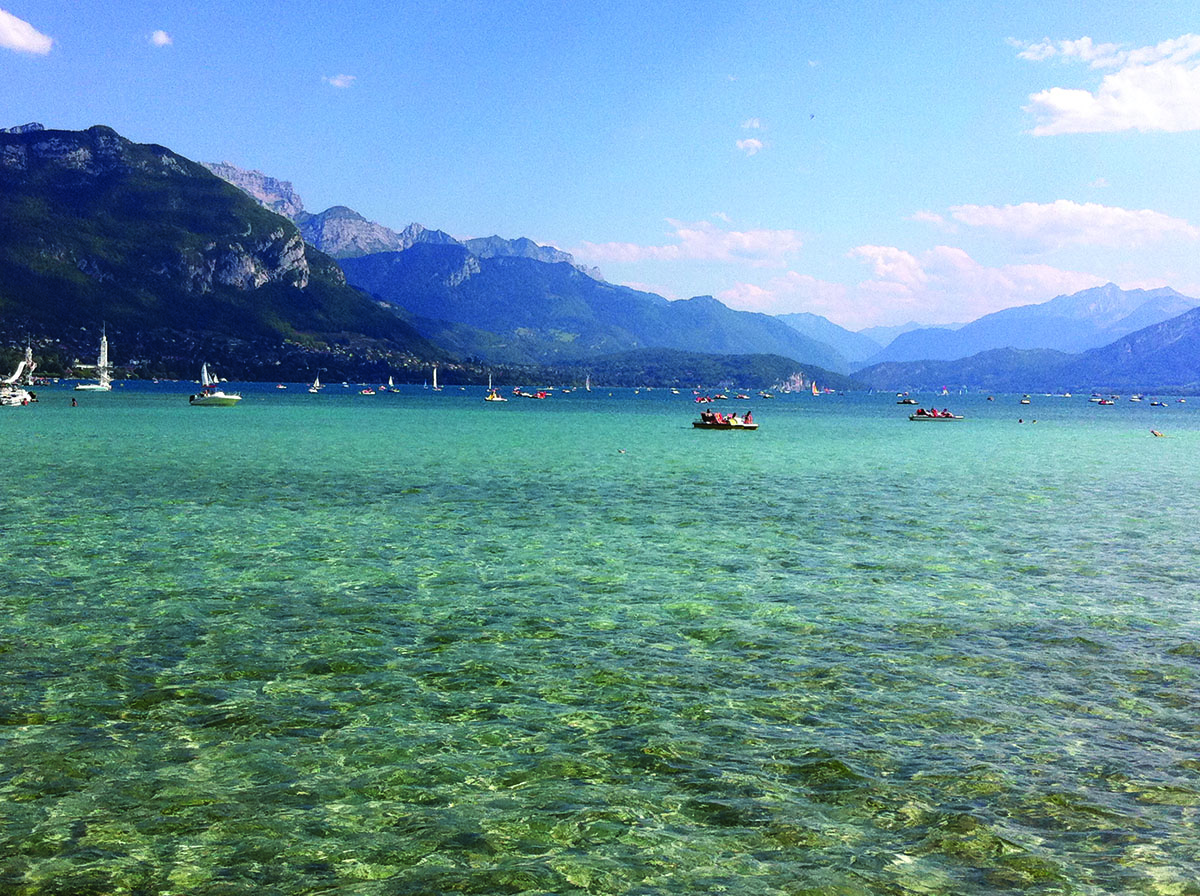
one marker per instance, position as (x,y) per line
(874,163)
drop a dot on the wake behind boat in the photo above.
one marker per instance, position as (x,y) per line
(211,394)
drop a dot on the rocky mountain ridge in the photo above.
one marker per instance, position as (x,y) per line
(341,232)
(101,230)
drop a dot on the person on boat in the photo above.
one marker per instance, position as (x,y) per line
(946,413)
(749,418)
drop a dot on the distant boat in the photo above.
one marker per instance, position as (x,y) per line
(493,395)
(436,387)
(935,414)
(102,370)
(814,388)
(316,386)
(211,394)
(587,383)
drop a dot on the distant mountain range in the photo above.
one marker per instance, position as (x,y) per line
(1073,323)
(514,309)
(180,266)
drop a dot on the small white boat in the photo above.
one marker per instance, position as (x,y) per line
(316,385)
(103,370)
(210,394)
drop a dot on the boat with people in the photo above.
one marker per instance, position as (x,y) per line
(934,414)
(103,370)
(717,420)
(211,394)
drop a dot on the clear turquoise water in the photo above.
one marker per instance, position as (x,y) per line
(420,643)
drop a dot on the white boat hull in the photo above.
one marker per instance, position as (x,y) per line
(214,400)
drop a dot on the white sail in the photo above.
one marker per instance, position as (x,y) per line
(103,370)
(435,385)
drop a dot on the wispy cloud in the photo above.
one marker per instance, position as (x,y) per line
(17,34)
(750,146)
(943,285)
(1149,88)
(339,81)
(1041,227)
(702,241)
(752,124)
(160,38)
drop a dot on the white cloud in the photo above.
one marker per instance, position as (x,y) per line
(789,293)
(750,146)
(17,34)
(160,38)
(943,285)
(752,124)
(1150,88)
(1039,227)
(340,81)
(702,241)
(928,217)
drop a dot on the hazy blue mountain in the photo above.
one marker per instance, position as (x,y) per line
(1164,357)
(176,263)
(854,347)
(520,310)
(885,335)
(1074,323)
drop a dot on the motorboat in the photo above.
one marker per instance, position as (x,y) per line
(493,395)
(211,394)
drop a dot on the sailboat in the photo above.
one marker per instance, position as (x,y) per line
(211,394)
(814,388)
(102,370)
(587,383)
(12,393)
(436,387)
(316,386)
(391,384)
(493,394)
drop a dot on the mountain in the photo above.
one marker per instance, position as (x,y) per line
(1163,357)
(1074,323)
(517,309)
(495,247)
(885,335)
(854,347)
(343,233)
(177,264)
